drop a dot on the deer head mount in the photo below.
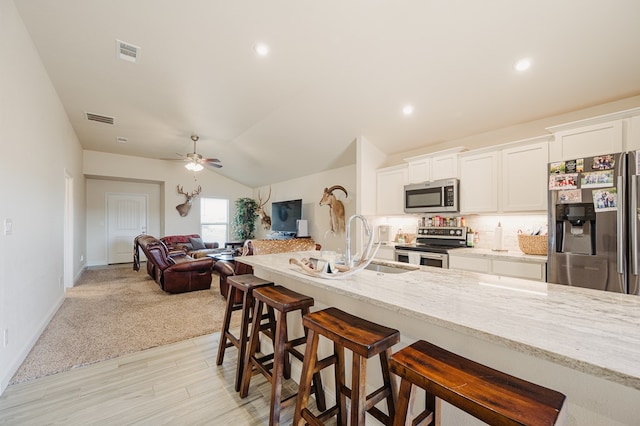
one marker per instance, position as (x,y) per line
(184,208)
(265,219)
(336,208)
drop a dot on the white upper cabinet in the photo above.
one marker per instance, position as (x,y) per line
(390,190)
(479,182)
(434,166)
(525,177)
(633,134)
(505,178)
(419,170)
(444,166)
(616,132)
(587,141)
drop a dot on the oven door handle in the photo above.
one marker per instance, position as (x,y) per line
(436,256)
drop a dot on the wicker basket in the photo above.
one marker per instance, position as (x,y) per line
(533,244)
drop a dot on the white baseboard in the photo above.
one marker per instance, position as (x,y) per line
(22,355)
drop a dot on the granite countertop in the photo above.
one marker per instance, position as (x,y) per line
(488,253)
(591,331)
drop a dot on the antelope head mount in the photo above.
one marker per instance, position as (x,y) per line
(336,208)
(184,208)
(265,219)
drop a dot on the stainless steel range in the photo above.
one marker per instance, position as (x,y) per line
(432,246)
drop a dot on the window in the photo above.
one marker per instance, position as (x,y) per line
(214,220)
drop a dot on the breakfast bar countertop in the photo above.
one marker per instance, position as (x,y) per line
(590,331)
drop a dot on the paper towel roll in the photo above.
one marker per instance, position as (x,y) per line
(498,241)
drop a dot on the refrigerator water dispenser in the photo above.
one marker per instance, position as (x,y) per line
(576,228)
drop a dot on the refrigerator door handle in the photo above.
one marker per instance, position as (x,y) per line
(620,228)
(633,219)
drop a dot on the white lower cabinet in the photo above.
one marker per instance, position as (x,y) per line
(503,266)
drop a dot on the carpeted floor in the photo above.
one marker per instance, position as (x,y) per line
(114,311)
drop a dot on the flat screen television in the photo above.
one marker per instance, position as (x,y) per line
(285,214)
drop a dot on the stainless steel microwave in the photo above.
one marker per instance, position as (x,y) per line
(438,196)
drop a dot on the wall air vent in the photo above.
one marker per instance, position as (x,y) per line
(120,139)
(127,51)
(100,118)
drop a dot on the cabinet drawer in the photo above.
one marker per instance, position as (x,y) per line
(532,271)
(470,264)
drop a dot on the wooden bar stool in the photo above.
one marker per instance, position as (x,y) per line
(276,366)
(492,396)
(239,285)
(365,339)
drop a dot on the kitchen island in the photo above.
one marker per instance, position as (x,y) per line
(583,343)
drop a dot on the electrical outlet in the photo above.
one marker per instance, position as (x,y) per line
(82,258)
(6,337)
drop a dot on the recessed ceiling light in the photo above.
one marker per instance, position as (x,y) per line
(523,64)
(407,109)
(261,49)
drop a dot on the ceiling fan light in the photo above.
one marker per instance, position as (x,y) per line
(190,166)
(197,167)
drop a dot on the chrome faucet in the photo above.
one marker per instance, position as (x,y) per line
(367,229)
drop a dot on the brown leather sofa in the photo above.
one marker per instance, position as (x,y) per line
(174,271)
(226,269)
(191,244)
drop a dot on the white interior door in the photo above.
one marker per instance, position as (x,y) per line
(126,219)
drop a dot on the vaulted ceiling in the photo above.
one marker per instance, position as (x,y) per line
(336,69)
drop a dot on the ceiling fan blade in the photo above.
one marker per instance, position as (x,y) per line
(212,165)
(211,160)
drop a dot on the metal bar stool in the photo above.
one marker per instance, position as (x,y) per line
(492,396)
(244,285)
(276,366)
(365,339)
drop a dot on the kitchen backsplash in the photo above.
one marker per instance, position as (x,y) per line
(485,225)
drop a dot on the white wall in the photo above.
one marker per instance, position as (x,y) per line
(38,146)
(310,189)
(167,175)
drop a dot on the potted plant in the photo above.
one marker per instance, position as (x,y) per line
(244,221)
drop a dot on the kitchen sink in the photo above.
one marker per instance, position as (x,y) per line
(389,269)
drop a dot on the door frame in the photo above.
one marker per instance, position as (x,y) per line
(68,244)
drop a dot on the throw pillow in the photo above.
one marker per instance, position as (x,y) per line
(197,243)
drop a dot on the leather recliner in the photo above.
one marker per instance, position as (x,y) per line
(175,272)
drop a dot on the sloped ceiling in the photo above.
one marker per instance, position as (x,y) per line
(336,70)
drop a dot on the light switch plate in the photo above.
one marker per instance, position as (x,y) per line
(8,226)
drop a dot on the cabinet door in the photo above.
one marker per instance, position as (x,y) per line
(420,170)
(532,271)
(390,190)
(589,141)
(474,264)
(444,167)
(633,134)
(524,177)
(479,183)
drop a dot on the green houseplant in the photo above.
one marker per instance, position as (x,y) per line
(244,221)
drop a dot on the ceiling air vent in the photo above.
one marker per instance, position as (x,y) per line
(127,51)
(120,139)
(100,118)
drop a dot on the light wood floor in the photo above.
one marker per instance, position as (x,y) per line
(177,384)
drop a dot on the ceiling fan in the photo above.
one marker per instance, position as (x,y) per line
(195,162)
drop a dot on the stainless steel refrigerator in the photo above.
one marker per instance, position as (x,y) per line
(593,222)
